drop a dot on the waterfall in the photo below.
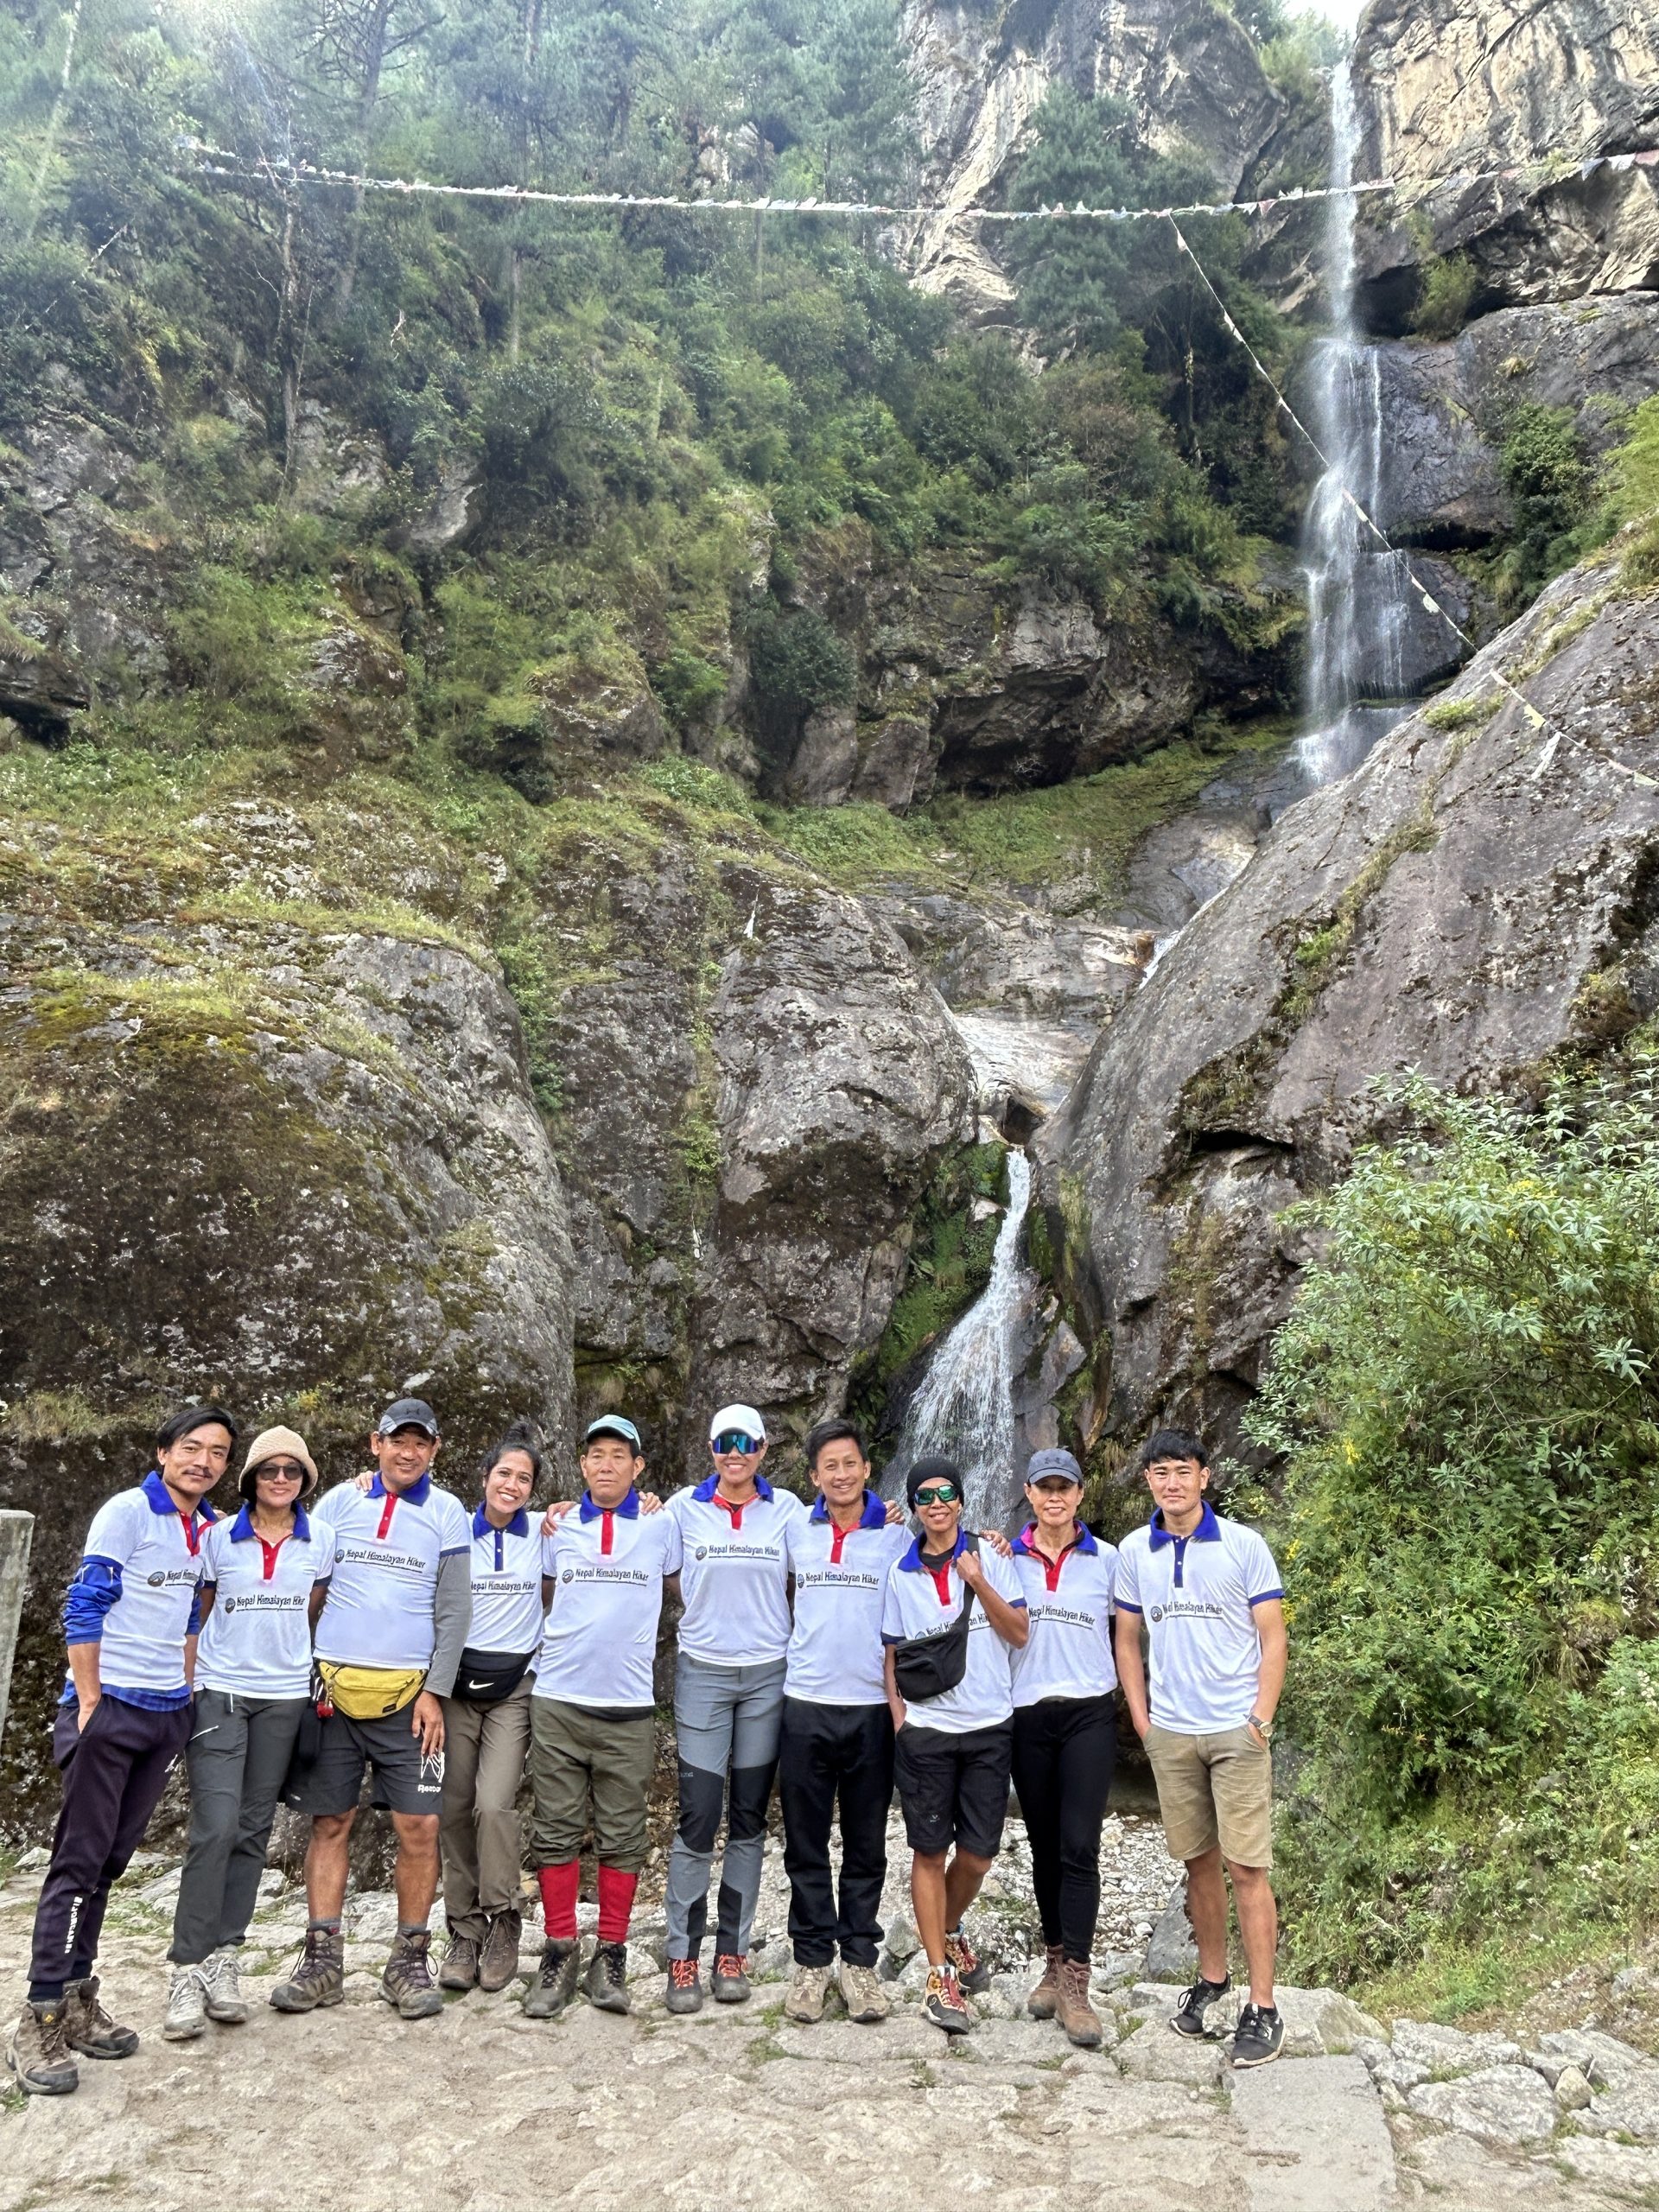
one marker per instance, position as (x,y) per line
(965,1408)
(1356,598)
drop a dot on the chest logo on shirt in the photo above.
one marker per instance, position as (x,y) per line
(570,1574)
(156,1580)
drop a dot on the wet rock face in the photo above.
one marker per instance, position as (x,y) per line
(296,1184)
(1446,406)
(1188,74)
(840,1083)
(1446,87)
(1449,904)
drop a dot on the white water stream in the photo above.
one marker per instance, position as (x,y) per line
(1356,598)
(965,1409)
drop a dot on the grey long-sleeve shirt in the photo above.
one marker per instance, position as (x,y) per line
(452,1617)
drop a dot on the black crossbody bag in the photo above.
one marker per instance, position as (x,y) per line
(927,1666)
(487,1677)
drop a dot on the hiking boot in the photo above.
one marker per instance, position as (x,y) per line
(972,1973)
(685,1991)
(555,1981)
(807,1992)
(187,2006)
(731,1982)
(861,1992)
(1259,2036)
(460,1967)
(942,2003)
(1195,2003)
(37,2054)
(407,1981)
(88,2028)
(320,1977)
(1074,2011)
(499,1960)
(606,1978)
(219,1979)
(1045,2000)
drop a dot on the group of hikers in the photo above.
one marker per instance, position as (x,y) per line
(292,1647)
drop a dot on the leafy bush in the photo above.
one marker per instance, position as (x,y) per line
(797,664)
(1467,1399)
(1449,287)
(1544,471)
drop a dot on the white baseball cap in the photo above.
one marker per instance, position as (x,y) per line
(743,1417)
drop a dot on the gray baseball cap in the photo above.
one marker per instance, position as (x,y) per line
(408,1412)
(1051,1461)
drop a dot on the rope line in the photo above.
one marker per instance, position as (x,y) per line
(219,160)
(1535,716)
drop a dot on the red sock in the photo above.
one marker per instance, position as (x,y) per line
(616,1891)
(559,1900)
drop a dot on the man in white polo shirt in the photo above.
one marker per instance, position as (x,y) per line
(952,1750)
(728,1698)
(593,1712)
(1209,1593)
(389,1640)
(837,1742)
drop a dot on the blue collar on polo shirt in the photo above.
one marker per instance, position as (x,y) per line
(704,1492)
(875,1514)
(1082,1541)
(242,1527)
(912,1562)
(162,1499)
(1207,1532)
(417,1494)
(629,1507)
(518,1526)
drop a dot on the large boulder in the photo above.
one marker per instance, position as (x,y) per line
(298,1170)
(1447,406)
(1445,88)
(1442,909)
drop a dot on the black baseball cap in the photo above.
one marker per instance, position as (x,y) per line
(408,1412)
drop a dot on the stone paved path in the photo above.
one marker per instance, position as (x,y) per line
(733,2111)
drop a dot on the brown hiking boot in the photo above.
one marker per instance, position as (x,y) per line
(37,2054)
(320,1977)
(1045,2000)
(555,1979)
(459,1967)
(500,1962)
(1076,2014)
(88,2028)
(407,1981)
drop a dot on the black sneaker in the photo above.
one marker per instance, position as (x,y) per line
(1195,2003)
(555,1979)
(607,1979)
(1261,2036)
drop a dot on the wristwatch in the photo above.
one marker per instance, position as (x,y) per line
(1263,1728)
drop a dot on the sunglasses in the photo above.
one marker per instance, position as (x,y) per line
(938,1494)
(281,1471)
(736,1440)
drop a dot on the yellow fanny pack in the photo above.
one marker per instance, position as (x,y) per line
(368,1693)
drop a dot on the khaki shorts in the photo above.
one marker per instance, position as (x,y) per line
(1214,1789)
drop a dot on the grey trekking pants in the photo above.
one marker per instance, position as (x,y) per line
(725,1722)
(480,1838)
(237,1757)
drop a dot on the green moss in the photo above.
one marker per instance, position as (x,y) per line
(1464,714)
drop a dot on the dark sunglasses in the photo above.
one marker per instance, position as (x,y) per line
(938,1494)
(281,1471)
(736,1439)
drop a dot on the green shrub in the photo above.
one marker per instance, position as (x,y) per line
(1544,471)
(798,663)
(1449,287)
(1466,1398)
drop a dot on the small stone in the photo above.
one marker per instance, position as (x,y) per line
(1628,2108)
(1509,2106)
(1572,2090)
(272,1881)
(903,1942)
(34,1860)
(1114,1971)
(1172,1955)
(1603,2059)
(1443,2051)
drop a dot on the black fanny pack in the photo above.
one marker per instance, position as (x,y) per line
(486,1677)
(927,1666)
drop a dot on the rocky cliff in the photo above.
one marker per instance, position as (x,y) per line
(1473,900)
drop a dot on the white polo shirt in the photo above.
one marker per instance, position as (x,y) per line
(257,1640)
(142,1546)
(1069,1652)
(507,1565)
(1198,1594)
(922,1600)
(735,1575)
(840,1587)
(598,1647)
(387,1546)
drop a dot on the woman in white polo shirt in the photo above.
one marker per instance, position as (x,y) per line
(1065,1731)
(253,1671)
(728,1700)
(486,1724)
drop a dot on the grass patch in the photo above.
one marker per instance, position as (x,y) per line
(1464,714)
